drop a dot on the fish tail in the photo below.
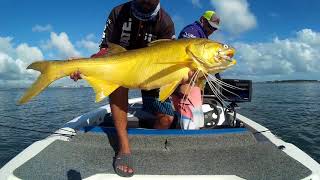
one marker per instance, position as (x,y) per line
(49,73)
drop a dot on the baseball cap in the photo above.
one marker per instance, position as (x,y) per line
(212,18)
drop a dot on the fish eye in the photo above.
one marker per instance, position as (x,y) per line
(225,46)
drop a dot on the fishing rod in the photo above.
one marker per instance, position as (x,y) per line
(34,130)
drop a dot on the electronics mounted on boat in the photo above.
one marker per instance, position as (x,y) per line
(241,91)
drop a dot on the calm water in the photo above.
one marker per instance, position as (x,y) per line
(290,110)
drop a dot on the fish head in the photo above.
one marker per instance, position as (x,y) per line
(211,56)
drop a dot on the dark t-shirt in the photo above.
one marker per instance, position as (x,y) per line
(129,32)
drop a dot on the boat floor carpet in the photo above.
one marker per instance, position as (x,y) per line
(237,154)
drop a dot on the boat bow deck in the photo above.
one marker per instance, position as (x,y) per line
(165,152)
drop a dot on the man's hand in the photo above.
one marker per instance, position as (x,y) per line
(101,53)
(75,76)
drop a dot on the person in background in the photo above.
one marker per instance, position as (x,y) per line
(187,99)
(133,25)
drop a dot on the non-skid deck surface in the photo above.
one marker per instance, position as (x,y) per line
(238,154)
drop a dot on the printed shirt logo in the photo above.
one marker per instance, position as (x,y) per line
(188,35)
(148,37)
(126,32)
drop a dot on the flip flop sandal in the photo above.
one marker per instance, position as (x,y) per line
(123,160)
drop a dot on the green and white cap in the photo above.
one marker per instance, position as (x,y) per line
(212,18)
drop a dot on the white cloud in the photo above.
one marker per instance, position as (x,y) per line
(63,45)
(90,46)
(5,44)
(310,37)
(235,15)
(39,28)
(13,69)
(28,54)
(299,54)
(13,62)
(196,3)
(89,43)
(15,58)
(90,37)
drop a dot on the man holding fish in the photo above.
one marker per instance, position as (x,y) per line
(133,25)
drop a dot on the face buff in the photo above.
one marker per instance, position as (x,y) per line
(139,13)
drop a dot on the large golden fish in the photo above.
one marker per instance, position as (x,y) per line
(163,64)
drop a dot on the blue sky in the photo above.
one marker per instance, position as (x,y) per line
(274,39)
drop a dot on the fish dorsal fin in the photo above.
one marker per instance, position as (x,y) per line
(115,48)
(167,90)
(158,41)
(100,87)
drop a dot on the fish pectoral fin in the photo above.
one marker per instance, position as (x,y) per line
(167,90)
(158,41)
(100,87)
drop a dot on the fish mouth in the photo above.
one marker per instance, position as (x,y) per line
(226,59)
(227,55)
